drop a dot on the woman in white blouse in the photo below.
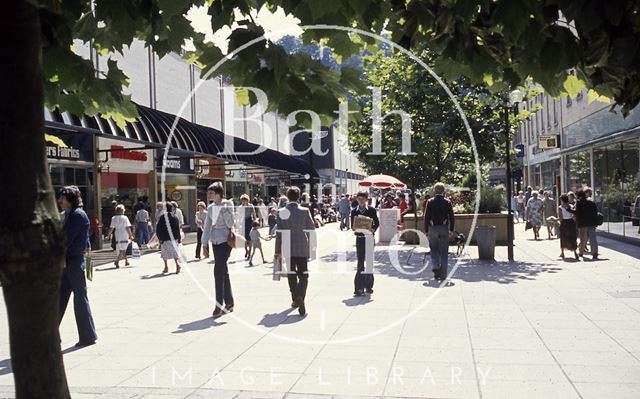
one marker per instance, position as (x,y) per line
(121,229)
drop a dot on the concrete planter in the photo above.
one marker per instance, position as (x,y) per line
(462,225)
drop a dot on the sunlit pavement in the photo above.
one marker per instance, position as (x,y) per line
(537,328)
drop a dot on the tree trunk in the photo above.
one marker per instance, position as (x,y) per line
(31,241)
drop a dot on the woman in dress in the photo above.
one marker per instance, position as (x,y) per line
(76,231)
(217,226)
(121,229)
(568,229)
(534,213)
(168,231)
(246,216)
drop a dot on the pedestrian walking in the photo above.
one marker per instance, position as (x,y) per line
(76,232)
(586,213)
(439,223)
(246,215)
(218,226)
(344,208)
(142,220)
(200,217)
(520,204)
(514,207)
(534,213)
(273,216)
(294,226)
(178,213)
(549,211)
(168,232)
(121,230)
(568,229)
(363,282)
(255,242)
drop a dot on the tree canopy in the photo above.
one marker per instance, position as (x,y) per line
(499,43)
(439,138)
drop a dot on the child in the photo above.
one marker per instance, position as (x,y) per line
(272,222)
(254,234)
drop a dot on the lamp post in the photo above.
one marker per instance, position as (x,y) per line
(514,97)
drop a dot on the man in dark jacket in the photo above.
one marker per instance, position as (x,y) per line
(438,223)
(363,282)
(586,219)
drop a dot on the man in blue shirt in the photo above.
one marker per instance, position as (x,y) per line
(439,224)
(363,282)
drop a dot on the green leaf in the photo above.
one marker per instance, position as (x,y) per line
(573,85)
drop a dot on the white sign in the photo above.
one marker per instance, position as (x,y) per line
(388,224)
(546,142)
(122,160)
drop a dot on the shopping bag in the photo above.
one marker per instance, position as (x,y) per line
(528,225)
(277,269)
(89,267)
(153,243)
(130,249)
(135,249)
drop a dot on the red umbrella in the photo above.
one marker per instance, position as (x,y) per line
(382,181)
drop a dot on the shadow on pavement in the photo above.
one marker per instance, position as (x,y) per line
(198,325)
(357,301)
(5,367)
(275,319)
(158,275)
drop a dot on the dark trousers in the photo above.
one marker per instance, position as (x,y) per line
(199,244)
(221,254)
(362,280)
(439,245)
(298,276)
(73,280)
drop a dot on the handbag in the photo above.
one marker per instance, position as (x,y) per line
(89,267)
(231,239)
(153,243)
(528,225)
(130,248)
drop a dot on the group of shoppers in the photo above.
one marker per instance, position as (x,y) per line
(575,217)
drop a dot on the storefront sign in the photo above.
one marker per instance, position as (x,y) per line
(68,146)
(125,157)
(209,168)
(236,175)
(175,164)
(257,178)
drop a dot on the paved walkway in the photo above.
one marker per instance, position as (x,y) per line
(537,328)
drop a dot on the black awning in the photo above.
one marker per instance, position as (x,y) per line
(153,128)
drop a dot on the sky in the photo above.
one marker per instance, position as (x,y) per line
(276,25)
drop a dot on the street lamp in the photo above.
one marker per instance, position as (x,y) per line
(514,98)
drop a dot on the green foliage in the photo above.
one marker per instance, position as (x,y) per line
(492,199)
(501,44)
(439,137)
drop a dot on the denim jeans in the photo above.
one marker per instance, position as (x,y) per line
(221,254)
(142,233)
(344,220)
(439,245)
(74,281)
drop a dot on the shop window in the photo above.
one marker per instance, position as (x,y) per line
(69,176)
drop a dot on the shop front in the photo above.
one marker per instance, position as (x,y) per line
(126,175)
(179,184)
(71,160)
(236,183)
(256,185)
(208,171)
(276,184)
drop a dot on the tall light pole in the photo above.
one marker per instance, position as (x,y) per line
(514,97)
(507,148)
